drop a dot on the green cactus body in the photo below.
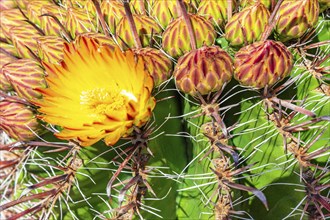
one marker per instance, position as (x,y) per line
(190,202)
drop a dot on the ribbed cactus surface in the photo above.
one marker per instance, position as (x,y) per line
(164,109)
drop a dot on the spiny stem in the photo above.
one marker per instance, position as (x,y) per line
(101,18)
(271,22)
(14,98)
(115,175)
(293,107)
(27,198)
(66,34)
(315,120)
(220,122)
(320,61)
(188,23)
(143,8)
(9,54)
(132,25)
(272,5)
(229,9)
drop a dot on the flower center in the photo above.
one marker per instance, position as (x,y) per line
(103,100)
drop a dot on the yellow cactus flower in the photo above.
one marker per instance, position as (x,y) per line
(97,92)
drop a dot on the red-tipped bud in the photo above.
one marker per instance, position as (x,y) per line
(295,18)
(203,71)
(262,63)
(247,25)
(176,45)
(25,75)
(18,121)
(158,65)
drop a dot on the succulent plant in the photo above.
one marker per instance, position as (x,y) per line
(145,109)
(25,76)
(112,11)
(158,65)
(52,20)
(50,48)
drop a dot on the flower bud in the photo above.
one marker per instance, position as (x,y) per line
(295,18)
(262,63)
(158,65)
(165,11)
(266,3)
(176,40)
(50,48)
(203,70)
(78,21)
(48,24)
(324,5)
(145,26)
(113,11)
(215,11)
(33,9)
(25,75)
(247,25)
(18,121)
(24,39)
(8,19)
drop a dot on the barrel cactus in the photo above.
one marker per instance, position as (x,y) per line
(118,109)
